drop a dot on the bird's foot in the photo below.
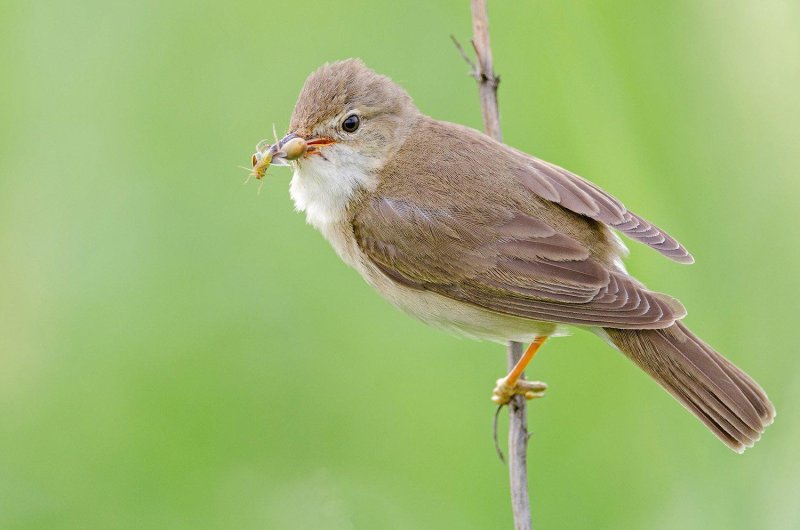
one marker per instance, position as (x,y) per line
(505,390)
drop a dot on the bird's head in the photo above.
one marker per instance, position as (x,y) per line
(347,119)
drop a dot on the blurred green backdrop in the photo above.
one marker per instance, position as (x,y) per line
(180,352)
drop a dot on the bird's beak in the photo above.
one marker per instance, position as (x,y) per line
(290,147)
(315,144)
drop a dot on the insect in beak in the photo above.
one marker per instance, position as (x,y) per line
(289,148)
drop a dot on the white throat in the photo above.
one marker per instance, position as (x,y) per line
(322,188)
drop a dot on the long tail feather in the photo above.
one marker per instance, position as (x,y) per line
(722,396)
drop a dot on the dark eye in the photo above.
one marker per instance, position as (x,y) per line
(351,123)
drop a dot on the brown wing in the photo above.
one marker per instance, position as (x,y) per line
(581,196)
(458,146)
(506,261)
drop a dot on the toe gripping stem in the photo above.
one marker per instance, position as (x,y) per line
(513,384)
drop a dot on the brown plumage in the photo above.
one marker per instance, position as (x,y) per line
(473,236)
(438,225)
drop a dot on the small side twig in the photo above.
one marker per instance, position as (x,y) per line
(494,434)
(473,68)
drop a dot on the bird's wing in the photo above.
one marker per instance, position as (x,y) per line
(506,261)
(463,147)
(581,196)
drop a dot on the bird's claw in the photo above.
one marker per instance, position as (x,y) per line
(504,391)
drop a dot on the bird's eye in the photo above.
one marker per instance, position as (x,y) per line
(351,123)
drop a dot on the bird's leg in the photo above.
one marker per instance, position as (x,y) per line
(511,385)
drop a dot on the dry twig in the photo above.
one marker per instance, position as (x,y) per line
(483,72)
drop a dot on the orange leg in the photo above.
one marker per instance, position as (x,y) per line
(511,385)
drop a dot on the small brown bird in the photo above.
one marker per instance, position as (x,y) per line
(483,240)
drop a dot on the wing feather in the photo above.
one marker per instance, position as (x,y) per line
(509,262)
(583,197)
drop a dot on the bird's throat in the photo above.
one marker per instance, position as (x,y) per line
(323,187)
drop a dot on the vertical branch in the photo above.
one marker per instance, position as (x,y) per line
(484,70)
(484,74)
(518,450)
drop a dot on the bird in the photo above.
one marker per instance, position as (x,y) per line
(485,241)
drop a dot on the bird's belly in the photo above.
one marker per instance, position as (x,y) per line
(456,317)
(434,309)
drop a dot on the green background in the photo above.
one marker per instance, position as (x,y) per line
(178,351)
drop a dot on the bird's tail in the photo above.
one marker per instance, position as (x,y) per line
(722,396)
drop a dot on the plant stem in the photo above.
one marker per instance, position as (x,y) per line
(488,82)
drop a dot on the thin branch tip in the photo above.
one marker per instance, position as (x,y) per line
(473,68)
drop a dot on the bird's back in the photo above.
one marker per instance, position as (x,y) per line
(462,167)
